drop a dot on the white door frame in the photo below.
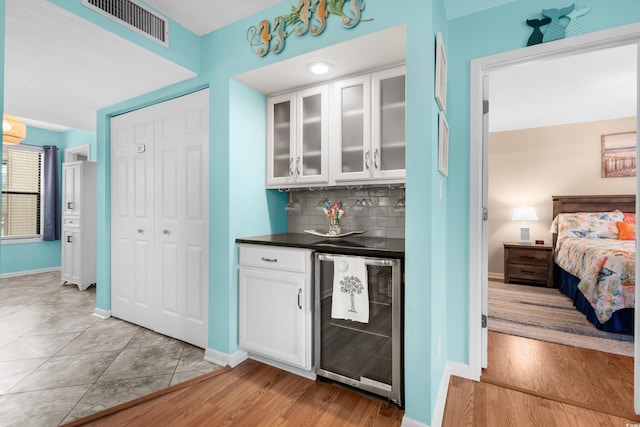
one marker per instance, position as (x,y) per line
(481,67)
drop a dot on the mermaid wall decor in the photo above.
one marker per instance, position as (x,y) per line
(560,23)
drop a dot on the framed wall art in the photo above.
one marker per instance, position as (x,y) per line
(441,74)
(618,154)
(443,145)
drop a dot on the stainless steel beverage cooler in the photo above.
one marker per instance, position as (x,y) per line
(367,356)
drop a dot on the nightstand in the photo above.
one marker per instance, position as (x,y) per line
(528,263)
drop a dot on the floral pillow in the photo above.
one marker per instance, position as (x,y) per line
(589,225)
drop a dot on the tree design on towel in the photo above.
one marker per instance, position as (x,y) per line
(351,285)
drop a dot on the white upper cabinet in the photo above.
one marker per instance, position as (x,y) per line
(388,124)
(350,131)
(297,138)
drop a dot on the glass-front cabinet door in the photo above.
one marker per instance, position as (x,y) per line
(281,140)
(311,163)
(297,138)
(388,117)
(351,127)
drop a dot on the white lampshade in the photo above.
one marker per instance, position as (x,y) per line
(524,214)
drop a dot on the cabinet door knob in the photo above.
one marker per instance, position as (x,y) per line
(140,231)
(165,232)
(69,205)
(69,239)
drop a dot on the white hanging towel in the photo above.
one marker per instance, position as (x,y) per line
(350,289)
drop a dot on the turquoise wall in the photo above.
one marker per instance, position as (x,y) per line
(496,30)
(18,257)
(75,137)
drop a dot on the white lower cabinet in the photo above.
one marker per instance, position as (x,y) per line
(275,304)
(79,224)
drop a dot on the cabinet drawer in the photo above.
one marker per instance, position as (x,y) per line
(529,257)
(531,273)
(276,258)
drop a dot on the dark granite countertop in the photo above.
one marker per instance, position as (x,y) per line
(352,245)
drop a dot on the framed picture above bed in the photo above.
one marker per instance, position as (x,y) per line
(618,155)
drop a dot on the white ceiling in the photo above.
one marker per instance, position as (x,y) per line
(204,16)
(581,88)
(55,78)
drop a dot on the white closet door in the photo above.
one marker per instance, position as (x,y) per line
(132,217)
(181,210)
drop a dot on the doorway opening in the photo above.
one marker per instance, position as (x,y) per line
(481,70)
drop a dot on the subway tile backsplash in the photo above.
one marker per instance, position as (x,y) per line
(370,209)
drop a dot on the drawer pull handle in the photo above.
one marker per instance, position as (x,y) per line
(527,257)
(270,259)
(69,239)
(528,271)
(299,302)
(69,205)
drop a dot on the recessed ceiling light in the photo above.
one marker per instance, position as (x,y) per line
(319,68)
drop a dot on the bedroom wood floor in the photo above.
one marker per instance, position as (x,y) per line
(536,383)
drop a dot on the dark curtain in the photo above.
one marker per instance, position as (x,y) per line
(51,206)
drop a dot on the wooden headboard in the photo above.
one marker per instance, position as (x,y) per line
(571,204)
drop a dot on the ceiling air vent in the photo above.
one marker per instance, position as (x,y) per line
(133,15)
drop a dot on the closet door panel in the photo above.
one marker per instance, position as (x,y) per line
(182,144)
(196,271)
(131,216)
(169,253)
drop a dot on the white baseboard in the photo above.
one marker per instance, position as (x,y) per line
(224,359)
(311,375)
(27,272)
(101,314)
(408,422)
(451,368)
(496,276)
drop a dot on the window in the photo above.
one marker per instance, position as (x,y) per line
(21,192)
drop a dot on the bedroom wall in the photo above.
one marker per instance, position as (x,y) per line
(527,167)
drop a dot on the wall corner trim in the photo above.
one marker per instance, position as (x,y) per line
(101,314)
(451,368)
(224,359)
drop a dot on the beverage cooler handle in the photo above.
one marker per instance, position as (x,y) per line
(299,302)
(368,261)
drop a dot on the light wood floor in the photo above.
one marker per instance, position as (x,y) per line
(521,373)
(535,383)
(254,394)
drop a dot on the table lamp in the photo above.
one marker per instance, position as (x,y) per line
(524,214)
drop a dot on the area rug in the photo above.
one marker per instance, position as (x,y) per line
(545,314)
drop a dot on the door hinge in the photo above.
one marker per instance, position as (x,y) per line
(484,321)
(485,107)
(485,214)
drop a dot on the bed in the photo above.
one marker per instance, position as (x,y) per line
(594,256)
